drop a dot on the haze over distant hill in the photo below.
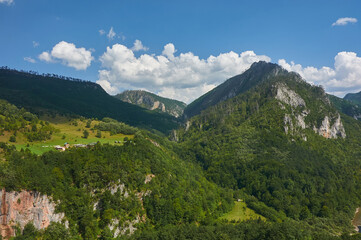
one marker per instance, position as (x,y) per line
(48,94)
(353,97)
(152,101)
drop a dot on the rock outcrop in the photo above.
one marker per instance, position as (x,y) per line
(21,208)
(295,121)
(334,131)
(152,102)
(122,225)
(288,96)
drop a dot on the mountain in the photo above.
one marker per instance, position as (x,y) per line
(233,86)
(353,97)
(103,191)
(273,158)
(56,95)
(347,107)
(152,101)
(281,144)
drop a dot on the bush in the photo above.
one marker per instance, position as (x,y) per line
(99,134)
(12,138)
(85,134)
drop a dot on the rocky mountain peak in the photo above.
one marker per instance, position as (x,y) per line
(258,72)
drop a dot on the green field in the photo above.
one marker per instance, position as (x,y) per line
(241,212)
(67,132)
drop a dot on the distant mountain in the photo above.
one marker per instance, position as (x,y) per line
(354,97)
(346,106)
(152,101)
(56,95)
(234,86)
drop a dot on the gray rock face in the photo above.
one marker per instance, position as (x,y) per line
(118,227)
(25,207)
(334,131)
(288,96)
(295,121)
(288,123)
(300,119)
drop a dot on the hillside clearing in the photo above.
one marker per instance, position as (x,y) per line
(69,131)
(241,212)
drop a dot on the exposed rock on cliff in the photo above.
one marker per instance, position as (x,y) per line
(21,208)
(299,112)
(288,96)
(123,224)
(152,102)
(334,131)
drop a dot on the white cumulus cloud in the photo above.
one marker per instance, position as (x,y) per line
(184,76)
(107,87)
(29,59)
(343,78)
(138,46)
(186,95)
(45,56)
(8,2)
(68,54)
(344,21)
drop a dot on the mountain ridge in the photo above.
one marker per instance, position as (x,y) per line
(54,95)
(274,142)
(233,86)
(152,101)
(353,97)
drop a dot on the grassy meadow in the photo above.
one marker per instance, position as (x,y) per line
(241,212)
(68,131)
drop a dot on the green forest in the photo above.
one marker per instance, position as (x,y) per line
(230,172)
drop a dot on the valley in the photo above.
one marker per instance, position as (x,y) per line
(180,120)
(264,155)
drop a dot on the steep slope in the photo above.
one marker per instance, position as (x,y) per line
(258,72)
(285,144)
(45,94)
(152,101)
(353,97)
(104,191)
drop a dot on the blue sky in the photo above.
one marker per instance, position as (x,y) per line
(304,32)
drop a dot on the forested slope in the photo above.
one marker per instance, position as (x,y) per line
(280,146)
(285,144)
(55,95)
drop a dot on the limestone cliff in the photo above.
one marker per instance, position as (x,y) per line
(296,120)
(328,131)
(125,223)
(288,96)
(21,208)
